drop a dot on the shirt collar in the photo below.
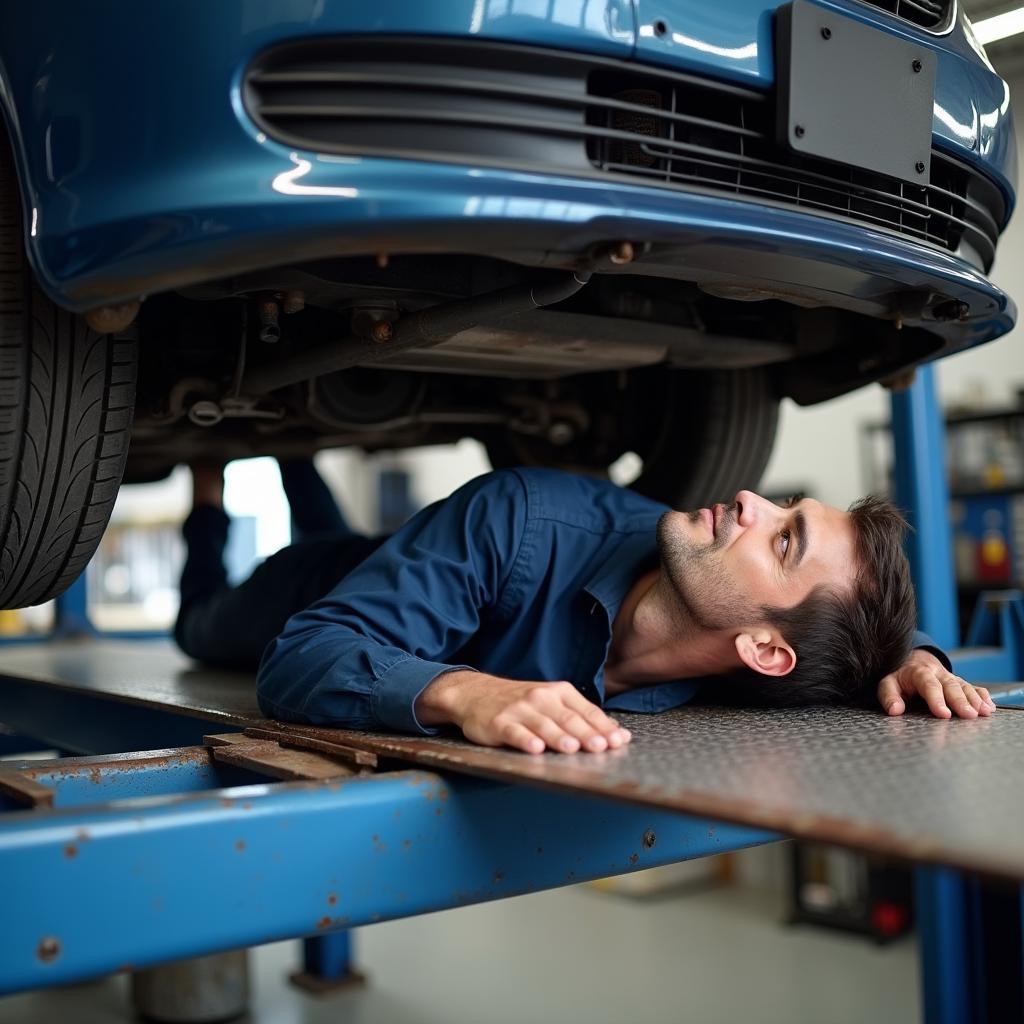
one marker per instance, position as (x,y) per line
(637,553)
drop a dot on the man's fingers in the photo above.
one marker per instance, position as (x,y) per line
(956,698)
(986,697)
(889,696)
(977,701)
(934,697)
(514,734)
(552,732)
(576,725)
(597,719)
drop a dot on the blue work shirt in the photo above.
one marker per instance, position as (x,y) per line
(519,573)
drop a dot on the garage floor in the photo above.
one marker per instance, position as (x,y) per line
(571,955)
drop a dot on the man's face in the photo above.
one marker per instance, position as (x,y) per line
(728,561)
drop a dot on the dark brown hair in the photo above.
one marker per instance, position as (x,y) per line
(844,642)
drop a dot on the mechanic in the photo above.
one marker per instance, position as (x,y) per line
(529,603)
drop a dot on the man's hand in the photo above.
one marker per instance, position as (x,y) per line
(528,716)
(923,674)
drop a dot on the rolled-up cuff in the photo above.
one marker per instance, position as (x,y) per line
(395,694)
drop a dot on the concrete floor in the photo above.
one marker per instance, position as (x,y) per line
(570,955)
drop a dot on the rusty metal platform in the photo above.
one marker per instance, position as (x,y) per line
(932,791)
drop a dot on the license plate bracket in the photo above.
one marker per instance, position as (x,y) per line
(853,93)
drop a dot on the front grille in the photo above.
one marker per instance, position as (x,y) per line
(540,110)
(930,14)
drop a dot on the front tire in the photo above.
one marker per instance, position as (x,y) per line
(701,435)
(66,401)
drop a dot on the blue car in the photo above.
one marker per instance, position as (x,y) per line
(572,229)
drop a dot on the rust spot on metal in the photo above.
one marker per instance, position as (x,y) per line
(332,898)
(48,949)
(634,857)
(95,775)
(438,811)
(70,851)
(499,877)
(226,802)
(247,806)
(571,877)
(406,843)
(324,922)
(649,839)
(240,845)
(378,845)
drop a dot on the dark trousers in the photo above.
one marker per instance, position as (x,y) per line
(229,627)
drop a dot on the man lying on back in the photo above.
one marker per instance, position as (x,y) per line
(532,604)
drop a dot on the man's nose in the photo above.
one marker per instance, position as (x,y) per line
(751,507)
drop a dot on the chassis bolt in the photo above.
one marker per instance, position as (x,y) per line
(916,65)
(270,329)
(826,33)
(560,432)
(205,413)
(112,319)
(919,167)
(798,131)
(48,949)
(381,332)
(382,260)
(622,252)
(294,301)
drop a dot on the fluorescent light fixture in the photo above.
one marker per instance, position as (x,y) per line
(999,26)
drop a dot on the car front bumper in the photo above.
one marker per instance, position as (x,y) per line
(143,172)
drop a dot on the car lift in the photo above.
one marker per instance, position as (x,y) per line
(307,833)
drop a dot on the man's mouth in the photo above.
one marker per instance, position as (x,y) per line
(709,519)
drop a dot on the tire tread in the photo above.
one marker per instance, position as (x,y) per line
(66,401)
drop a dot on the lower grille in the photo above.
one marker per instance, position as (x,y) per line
(541,110)
(930,14)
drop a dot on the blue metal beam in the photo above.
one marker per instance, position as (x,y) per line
(136,883)
(87,723)
(918,437)
(89,781)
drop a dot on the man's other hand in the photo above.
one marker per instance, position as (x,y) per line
(924,675)
(529,716)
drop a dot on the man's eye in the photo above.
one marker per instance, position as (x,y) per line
(784,541)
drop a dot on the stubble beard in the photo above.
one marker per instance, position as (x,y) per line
(703,594)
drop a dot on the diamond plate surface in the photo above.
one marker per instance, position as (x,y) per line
(949,792)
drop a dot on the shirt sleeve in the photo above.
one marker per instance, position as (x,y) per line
(360,656)
(925,642)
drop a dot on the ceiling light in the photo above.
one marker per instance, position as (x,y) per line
(1000,26)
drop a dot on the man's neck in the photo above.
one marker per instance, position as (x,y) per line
(654,641)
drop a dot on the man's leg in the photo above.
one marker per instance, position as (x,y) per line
(219,624)
(230,626)
(314,510)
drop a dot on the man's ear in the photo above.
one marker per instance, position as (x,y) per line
(766,652)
